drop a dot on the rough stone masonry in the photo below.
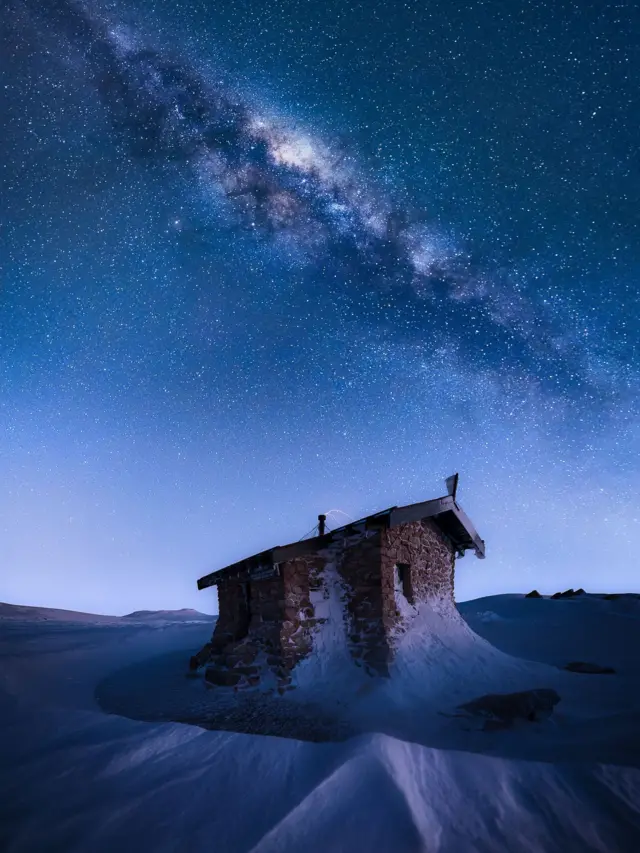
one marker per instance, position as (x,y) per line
(267,625)
(366,579)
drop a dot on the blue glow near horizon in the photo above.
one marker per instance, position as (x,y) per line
(234,298)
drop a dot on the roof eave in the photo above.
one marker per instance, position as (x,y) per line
(434,508)
(263,558)
(389,517)
(478,543)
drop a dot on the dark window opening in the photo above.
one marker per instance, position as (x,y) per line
(404,580)
(247,600)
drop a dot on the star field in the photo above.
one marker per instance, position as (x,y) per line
(263,259)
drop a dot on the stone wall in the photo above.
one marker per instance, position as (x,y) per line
(429,558)
(267,602)
(233,618)
(359,566)
(277,636)
(248,628)
(299,619)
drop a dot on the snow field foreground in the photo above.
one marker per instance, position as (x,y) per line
(74,778)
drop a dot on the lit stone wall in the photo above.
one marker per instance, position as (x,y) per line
(280,632)
(359,566)
(299,617)
(430,558)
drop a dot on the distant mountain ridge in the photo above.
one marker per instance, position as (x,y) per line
(185,614)
(54,614)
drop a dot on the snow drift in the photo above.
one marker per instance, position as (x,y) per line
(74,778)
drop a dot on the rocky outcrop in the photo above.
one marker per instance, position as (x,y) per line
(501,710)
(568,593)
(588,668)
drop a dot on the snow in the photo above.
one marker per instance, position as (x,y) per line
(410,776)
(330,675)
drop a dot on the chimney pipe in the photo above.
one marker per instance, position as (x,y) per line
(321,524)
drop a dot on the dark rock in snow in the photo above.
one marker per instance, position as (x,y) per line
(568,593)
(201,658)
(611,596)
(247,670)
(589,668)
(533,594)
(503,709)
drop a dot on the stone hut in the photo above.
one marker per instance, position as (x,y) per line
(272,605)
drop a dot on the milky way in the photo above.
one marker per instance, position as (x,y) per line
(279,182)
(310,199)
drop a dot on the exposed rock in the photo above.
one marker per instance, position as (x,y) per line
(248,654)
(244,657)
(611,596)
(503,709)
(533,594)
(199,659)
(589,668)
(568,593)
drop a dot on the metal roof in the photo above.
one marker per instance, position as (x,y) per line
(445,512)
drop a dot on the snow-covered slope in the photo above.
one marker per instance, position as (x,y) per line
(49,614)
(74,778)
(587,627)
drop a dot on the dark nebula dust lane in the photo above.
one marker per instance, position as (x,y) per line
(276,181)
(312,202)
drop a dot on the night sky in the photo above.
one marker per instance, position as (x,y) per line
(261,260)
